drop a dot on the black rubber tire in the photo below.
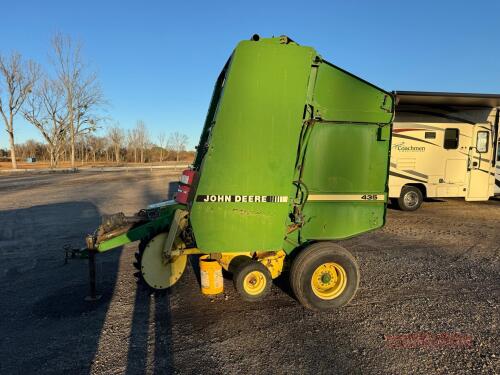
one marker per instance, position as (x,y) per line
(148,289)
(410,190)
(244,267)
(236,262)
(308,260)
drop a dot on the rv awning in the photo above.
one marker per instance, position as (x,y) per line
(447,98)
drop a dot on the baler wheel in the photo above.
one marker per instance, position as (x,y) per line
(324,276)
(156,272)
(252,280)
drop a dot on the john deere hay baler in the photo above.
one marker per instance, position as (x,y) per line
(294,155)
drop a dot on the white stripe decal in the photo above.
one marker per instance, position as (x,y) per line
(218,198)
(346,197)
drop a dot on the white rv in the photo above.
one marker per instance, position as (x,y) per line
(443,145)
(497,170)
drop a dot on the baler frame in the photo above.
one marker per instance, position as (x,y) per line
(319,167)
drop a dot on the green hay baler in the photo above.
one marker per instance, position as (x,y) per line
(293,156)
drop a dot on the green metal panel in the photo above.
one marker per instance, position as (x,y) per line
(336,220)
(252,147)
(341,96)
(291,144)
(281,116)
(347,156)
(345,159)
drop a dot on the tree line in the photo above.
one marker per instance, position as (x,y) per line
(121,147)
(64,103)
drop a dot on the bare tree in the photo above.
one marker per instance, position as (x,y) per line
(116,137)
(132,142)
(161,142)
(30,147)
(45,109)
(82,144)
(106,147)
(18,80)
(177,142)
(96,145)
(83,93)
(142,137)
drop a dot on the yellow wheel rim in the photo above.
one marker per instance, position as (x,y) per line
(158,272)
(254,283)
(329,281)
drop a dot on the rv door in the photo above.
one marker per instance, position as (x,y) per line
(479,164)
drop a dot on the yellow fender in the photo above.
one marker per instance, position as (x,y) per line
(273,260)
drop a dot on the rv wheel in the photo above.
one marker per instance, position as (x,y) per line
(411,198)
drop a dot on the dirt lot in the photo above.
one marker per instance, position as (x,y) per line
(428,302)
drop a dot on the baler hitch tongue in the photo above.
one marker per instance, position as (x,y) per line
(87,252)
(113,226)
(90,241)
(93,296)
(72,253)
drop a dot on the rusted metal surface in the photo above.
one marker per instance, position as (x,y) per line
(117,224)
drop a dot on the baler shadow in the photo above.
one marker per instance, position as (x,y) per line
(283,283)
(283,280)
(194,261)
(150,340)
(43,306)
(151,334)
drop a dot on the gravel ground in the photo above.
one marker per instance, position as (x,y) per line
(428,300)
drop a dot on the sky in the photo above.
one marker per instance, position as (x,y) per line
(158,60)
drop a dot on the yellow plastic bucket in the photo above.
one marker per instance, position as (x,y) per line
(211,276)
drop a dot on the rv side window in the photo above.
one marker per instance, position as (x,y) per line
(430,135)
(450,139)
(482,142)
(498,151)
